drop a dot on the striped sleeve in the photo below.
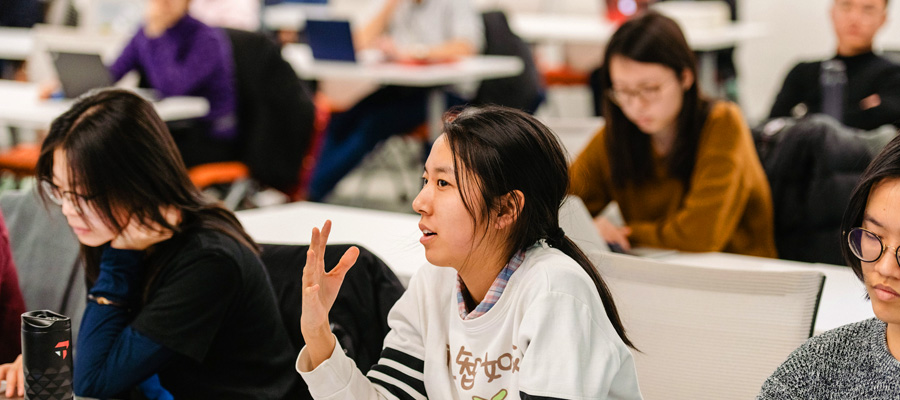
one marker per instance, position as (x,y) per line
(399,373)
(397,376)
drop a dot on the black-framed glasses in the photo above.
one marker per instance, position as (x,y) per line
(867,246)
(57,196)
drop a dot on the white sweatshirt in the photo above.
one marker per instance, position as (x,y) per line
(548,335)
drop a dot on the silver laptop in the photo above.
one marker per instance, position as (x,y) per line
(80,72)
(576,220)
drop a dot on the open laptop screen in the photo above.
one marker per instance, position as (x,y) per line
(80,72)
(330,40)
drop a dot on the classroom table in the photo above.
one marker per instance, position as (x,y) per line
(21,107)
(468,70)
(558,29)
(593,29)
(15,43)
(292,16)
(394,238)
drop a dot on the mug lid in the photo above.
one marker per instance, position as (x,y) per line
(44,320)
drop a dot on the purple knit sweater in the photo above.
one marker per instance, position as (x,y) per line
(189,59)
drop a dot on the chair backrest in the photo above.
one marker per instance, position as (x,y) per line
(525,91)
(576,221)
(709,333)
(812,164)
(359,315)
(46,255)
(275,111)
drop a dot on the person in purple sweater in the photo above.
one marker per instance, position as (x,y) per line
(180,56)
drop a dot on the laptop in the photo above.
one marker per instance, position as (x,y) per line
(80,72)
(576,221)
(330,40)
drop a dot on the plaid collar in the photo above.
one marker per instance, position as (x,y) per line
(493,294)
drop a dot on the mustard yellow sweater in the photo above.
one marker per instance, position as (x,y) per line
(728,207)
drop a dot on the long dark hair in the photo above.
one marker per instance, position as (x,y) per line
(122,157)
(502,150)
(652,38)
(886,165)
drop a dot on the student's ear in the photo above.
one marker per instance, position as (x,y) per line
(508,208)
(687,79)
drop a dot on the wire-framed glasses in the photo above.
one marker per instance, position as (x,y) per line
(646,94)
(57,196)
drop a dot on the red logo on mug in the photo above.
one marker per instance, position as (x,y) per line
(64,346)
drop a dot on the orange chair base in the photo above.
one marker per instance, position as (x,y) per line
(564,76)
(218,173)
(21,160)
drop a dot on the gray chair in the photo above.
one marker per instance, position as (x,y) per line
(46,255)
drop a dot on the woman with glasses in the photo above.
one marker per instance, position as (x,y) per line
(177,294)
(683,169)
(859,360)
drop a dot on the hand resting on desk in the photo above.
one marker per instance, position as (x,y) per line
(14,378)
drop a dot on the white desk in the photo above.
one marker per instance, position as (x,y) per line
(20,106)
(15,43)
(394,238)
(469,70)
(292,16)
(592,29)
(473,69)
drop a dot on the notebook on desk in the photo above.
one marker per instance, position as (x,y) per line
(330,40)
(80,72)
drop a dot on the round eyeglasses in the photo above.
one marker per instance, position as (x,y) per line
(867,246)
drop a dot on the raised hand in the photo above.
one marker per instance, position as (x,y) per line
(320,290)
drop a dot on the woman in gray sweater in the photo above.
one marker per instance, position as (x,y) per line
(860,360)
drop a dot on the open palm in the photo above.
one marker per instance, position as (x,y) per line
(320,289)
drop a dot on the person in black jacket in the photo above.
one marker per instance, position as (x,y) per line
(176,290)
(871,93)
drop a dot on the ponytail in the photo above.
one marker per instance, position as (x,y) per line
(569,248)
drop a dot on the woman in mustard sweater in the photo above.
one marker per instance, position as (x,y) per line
(683,169)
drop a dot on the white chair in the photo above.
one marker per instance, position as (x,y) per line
(576,221)
(709,333)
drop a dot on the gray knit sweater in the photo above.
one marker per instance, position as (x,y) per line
(850,362)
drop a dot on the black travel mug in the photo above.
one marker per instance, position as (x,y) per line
(47,355)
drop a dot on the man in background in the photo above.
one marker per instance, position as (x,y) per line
(857,87)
